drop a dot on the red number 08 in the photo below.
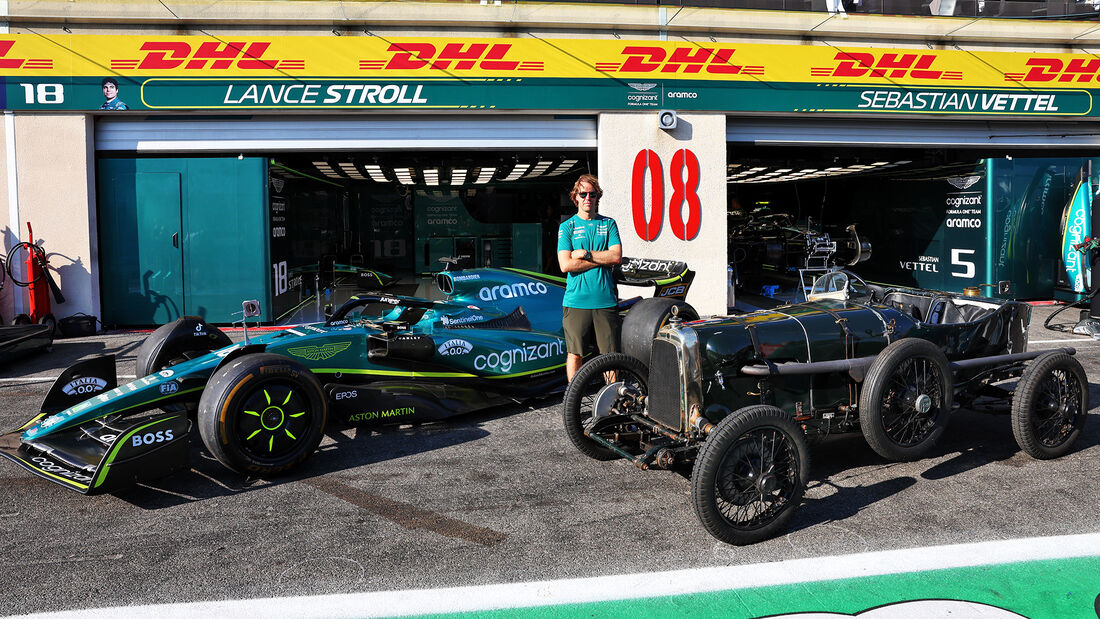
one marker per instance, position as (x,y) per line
(647,162)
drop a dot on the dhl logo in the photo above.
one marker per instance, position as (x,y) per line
(864,64)
(166,55)
(452,56)
(645,59)
(1053,69)
(21,63)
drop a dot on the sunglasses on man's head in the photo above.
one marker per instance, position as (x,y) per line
(585,194)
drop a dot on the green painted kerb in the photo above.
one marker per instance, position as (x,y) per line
(1055,589)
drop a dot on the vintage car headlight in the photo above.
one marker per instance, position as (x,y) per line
(675,376)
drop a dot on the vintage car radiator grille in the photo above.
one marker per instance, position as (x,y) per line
(664,384)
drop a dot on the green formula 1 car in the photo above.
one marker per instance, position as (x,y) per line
(261,405)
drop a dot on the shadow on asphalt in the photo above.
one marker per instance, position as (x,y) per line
(209,479)
(63,350)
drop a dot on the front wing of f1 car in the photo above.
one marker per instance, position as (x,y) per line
(497,336)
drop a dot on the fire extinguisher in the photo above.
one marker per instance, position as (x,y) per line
(37,270)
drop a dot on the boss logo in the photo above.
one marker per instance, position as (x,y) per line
(150,438)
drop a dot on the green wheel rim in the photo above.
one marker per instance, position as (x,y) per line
(274,419)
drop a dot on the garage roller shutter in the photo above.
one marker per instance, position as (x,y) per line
(154,134)
(912,133)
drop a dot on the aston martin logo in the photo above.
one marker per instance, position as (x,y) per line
(319,353)
(963,182)
(642,86)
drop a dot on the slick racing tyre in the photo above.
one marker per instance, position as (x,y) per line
(750,475)
(1050,405)
(174,343)
(645,318)
(262,414)
(588,399)
(906,398)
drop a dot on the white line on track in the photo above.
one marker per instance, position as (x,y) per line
(586,590)
(1077,341)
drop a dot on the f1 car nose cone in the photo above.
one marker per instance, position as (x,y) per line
(923,403)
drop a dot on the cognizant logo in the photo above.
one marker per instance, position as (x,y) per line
(520,289)
(523,353)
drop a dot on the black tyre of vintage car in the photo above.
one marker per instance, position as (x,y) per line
(262,414)
(176,342)
(1050,405)
(905,399)
(588,399)
(645,318)
(750,475)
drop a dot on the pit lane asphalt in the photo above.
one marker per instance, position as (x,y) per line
(494,497)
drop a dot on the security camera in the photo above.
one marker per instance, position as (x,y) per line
(666,119)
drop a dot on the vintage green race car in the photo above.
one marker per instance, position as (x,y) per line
(494,336)
(737,397)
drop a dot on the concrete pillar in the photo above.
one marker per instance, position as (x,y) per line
(54,163)
(621,137)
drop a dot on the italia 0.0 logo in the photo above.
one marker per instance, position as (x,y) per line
(455,347)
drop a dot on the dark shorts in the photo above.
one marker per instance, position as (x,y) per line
(580,323)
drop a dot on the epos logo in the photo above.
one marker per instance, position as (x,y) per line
(452,57)
(653,59)
(164,55)
(866,64)
(1054,69)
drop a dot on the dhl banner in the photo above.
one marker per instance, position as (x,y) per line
(93,72)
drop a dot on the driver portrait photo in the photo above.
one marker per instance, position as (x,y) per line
(110,94)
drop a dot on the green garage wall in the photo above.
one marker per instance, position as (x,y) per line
(181,236)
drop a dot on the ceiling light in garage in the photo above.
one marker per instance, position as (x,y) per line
(375,172)
(485,175)
(517,171)
(458,176)
(431,176)
(539,168)
(563,167)
(404,175)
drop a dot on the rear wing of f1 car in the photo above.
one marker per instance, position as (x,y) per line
(668,278)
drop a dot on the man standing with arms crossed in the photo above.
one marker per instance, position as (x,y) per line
(588,249)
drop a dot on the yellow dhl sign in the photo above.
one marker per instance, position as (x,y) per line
(371,57)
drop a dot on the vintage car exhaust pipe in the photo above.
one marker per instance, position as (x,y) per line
(858,367)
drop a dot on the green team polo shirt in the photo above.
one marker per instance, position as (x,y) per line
(595,288)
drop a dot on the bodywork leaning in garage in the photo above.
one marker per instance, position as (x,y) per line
(261,405)
(737,397)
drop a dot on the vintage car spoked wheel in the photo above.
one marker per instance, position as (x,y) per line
(905,400)
(589,398)
(262,414)
(750,475)
(1050,406)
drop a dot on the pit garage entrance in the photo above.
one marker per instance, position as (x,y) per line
(945,205)
(196,215)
